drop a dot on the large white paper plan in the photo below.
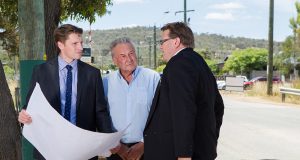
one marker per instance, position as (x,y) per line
(57,139)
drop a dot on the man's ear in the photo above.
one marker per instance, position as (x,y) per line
(60,45)
(177,42)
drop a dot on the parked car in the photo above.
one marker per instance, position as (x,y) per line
(221,85)
(254,80)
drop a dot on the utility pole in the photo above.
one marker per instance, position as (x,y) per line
(270,58)
(154,46)
(31,50)
(294,56)
(138,54)
(149,41)
(184,11)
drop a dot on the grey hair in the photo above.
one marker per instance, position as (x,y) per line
(122,40)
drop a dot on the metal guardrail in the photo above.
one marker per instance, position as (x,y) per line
(285,91)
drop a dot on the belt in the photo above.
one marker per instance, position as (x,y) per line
(129,144)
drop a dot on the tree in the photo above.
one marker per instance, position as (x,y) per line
(209,57)
(10,140)
(282,61)
(8,26)
(246,60)
(55,11)
(59,10)
(295,26)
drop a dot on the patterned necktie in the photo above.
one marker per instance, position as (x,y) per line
(68,93)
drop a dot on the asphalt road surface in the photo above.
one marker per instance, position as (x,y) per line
(256,129)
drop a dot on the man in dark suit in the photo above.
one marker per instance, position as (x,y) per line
(187,110)
(73,88)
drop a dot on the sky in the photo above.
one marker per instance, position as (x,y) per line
(236,18)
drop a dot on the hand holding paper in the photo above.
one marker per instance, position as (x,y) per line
(57,139)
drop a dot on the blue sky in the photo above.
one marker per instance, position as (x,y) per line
(237,18)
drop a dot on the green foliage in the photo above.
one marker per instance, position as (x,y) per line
(217,47)
(246,60)
(9,72)
(84,9)
(282,61)
(212,65)
(8,13)
(9,38)
(209,58)
(160,68)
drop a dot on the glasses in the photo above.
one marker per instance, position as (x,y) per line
(163,41)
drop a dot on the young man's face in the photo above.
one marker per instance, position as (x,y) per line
(72,48)
(124,57)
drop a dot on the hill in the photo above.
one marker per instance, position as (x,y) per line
(218,45)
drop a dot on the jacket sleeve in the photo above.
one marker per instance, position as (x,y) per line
(33,81)
(103,119)
(181,83)
(219,112)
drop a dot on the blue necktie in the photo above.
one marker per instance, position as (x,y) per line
(68,93)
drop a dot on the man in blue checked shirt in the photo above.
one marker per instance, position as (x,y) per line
(129,92)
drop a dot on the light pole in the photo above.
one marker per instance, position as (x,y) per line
(149,39)
(154,46)
(184,11)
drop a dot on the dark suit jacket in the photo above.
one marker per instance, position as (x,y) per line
(186,113)
(91,106)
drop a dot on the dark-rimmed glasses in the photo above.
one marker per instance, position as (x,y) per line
(162,41)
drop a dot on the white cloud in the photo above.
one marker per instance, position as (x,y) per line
(127,1)
(227,6)
(220,16)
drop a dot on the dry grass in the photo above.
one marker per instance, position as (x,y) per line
(260,90)
(296,84)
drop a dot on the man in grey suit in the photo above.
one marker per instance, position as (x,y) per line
(187,110)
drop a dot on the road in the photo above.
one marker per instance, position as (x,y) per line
(256,129)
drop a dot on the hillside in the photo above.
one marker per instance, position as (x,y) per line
(219,45)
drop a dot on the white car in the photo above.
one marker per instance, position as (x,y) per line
(221,85)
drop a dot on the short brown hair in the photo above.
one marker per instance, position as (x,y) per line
(62,33)
(181,30)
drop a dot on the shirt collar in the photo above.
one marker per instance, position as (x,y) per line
(179,51)
(62,63)
(134,74)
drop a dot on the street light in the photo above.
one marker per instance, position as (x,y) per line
(184,11)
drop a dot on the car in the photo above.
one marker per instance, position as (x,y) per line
(250,83)
(221,85)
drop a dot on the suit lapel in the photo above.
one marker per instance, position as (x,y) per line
(80,83)
(154,104)
(54,72)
